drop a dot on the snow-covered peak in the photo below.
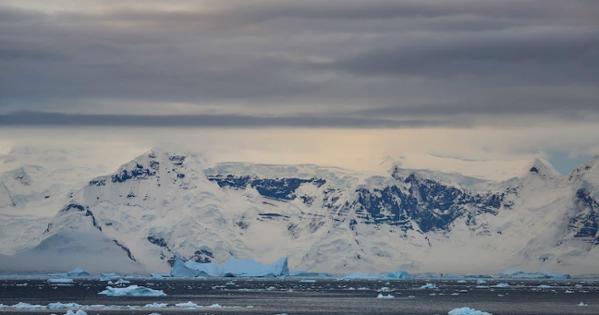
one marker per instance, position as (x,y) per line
(588,171)
(542,168)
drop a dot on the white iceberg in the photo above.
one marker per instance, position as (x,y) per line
(78,312)
(232,267)
(132,290)
(467,311)
(502,285)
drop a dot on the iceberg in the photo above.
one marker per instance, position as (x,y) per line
(180,269)
(78,272)
(62,306)
(60,280)
(78,312)
(189,305)
(156,305)
(132,290)
(382,296)
(232,267)
(399,275)
(466,311)
(27,306)
(430,286)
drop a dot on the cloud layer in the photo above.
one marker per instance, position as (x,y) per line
(299,63)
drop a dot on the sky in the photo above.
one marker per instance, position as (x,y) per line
(478,87)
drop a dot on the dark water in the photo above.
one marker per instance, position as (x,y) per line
(274,296)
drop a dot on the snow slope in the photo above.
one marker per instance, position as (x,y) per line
(165,206)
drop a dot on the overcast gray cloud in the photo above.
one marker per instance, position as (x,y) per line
(299,63)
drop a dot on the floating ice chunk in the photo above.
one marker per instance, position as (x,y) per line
(132,290)
(154,314)
(430,286)
(384,289)
(214,306)
(582,304)
(307,281)
(62,306)
(156,305)
(78,312)
(481,281)
(544,286)
(382,296)
(60,280)
(27,306)
(502,285)
(187,305)
(466,311)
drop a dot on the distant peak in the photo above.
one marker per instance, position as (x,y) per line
(590,166)
(541,167)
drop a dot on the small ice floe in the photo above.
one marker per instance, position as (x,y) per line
(307,281)
(383,296)
(156,305)
(154,314)
(502,285)
(455,293)
(77,312)
(568,291)
(430,286)
(384,289)
(27,306)
(582,304)
(544,286)
(60,281)
(188,305)
(466,311)
(132,290)
(63,306)
(461,281)
(481,281)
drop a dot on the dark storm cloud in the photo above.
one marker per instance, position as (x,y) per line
(363,63)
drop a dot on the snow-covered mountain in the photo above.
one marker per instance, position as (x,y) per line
(164,205)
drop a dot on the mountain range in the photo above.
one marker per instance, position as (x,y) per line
(167,205)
